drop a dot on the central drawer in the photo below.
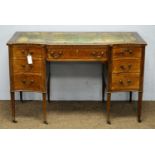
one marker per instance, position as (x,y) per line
(77,54)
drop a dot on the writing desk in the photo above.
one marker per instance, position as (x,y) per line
(123,52)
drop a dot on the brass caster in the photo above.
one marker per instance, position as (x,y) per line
(139,120)
(14,121)
(45,122)
(108,122)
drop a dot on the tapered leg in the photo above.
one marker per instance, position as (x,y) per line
(103,84)
(103,93)
(130,96)
(139,109)
(21,96)
(44,108)
(13,107)
(49,83)
(108,107)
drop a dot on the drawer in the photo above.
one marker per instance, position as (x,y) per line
(21,66)
(126,52)
(29,82)
(21,51)
(126,65)
(125,81)
(96,54)
(92,54)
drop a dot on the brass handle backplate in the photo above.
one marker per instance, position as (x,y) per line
(128,67)
(23,81)
(31,81)
(124,83)
(122,67)
(23,66)
(56,55)
(121,82)
(27,67)
(26,51)
(23,52)
(27,82)
(129,81)
(127,51)
(98,54)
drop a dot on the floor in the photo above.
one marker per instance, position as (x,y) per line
(76,115)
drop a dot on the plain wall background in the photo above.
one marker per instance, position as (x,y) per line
(78,81)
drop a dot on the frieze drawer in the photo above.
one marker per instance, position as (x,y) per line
(92,54)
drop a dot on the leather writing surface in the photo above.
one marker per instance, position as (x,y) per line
(76,38)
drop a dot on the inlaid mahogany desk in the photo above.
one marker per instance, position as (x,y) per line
(122,52)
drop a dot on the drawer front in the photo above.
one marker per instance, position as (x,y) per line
(21,66)
(92,54)
(28,82)
(96,54)
(20,51)
(126,65)
(126,52)
(125,81)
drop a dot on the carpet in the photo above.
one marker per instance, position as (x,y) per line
(77,115)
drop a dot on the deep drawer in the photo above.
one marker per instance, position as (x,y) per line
(28,82)
(125,81)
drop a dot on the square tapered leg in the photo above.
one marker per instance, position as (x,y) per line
(13,111)
(44,108)
(139,107)
(108,107)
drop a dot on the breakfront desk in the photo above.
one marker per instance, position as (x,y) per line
(122,54)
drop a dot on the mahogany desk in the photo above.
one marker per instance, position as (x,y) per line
(123,52)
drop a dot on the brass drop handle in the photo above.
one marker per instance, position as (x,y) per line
(98,55)
(24,81)
(94,53)
(129,66)
(122,67)
(31,81)
(121,82)
(129,81)
(56,55)
(77,51)
(30,66)
(130,51)
(23,52)
(31,53)
(102,53)
(23,66)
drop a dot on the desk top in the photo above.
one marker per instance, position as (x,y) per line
(76,38)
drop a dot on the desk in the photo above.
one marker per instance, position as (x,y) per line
(123,52)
